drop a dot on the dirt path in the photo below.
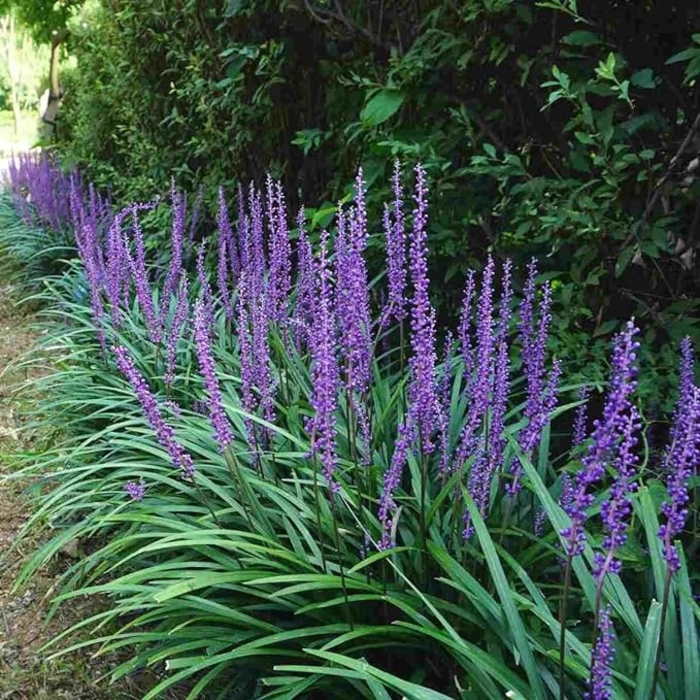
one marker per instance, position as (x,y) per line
(24,672)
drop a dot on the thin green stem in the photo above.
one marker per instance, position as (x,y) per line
(562,626)
(206,502)
(340,558)
(229,456)
(318,513)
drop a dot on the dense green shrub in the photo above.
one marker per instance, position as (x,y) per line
(545,128)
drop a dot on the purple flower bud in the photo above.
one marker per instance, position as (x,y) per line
(136,489)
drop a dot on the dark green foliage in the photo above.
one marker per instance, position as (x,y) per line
(546,129)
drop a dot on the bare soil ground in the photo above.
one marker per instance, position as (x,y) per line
(25,672)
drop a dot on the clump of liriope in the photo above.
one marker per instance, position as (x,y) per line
(327,456)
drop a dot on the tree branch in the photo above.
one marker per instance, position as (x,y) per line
(656,192)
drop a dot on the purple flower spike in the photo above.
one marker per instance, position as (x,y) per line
(149,404)
(422,389)
(136,489)
(139,272)
(179,207)
(541,395)
(227,263)
(579,428)
(602,657)
(206,292)
(615,511)
(306,288)
(352,298)
(682,458)
(217,414)
(619,417)
(174,333)
(256,262)
(464,333)
(488,451)
(261,355)
(395,236)
(479,385)
(116,266)
(566,496)
(325,373)
(280,278)
(243,232)
(497,441)
(245,349)
(392,480)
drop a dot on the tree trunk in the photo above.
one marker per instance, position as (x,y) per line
(16,113)
(50,114)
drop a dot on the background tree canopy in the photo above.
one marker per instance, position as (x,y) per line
(41,17)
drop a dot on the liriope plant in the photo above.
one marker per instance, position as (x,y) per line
(289,491)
